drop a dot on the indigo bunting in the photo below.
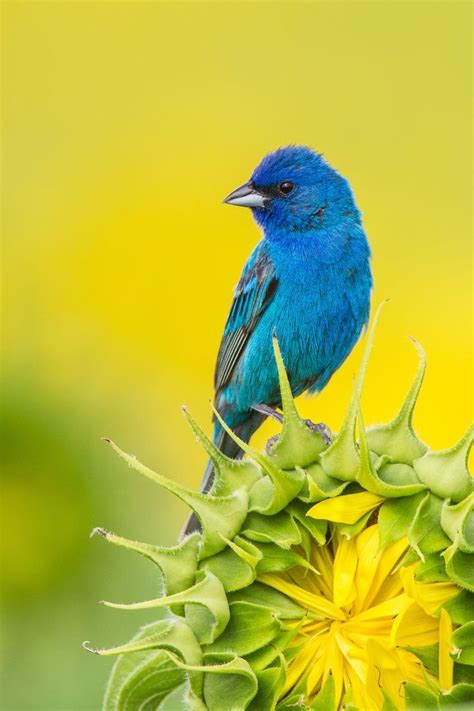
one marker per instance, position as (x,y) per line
(308,281)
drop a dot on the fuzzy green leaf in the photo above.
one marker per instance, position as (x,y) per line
(136,677)
(432,569)
(250,628)
(463,644)
(461,607)
(460,566)
(274,491)
(425,533)
(319,485)
(397,439)
(458,522)
(445,473)
(341,459)
(371,480)
(459,698)
(260,594)
(326,699)
(229,474)
(233,572)
(428,654)
(280,529)
(230,678)
(316,528)
(420,699)
(395,518)
(270,683)
(297,445)
(177,564)
(276,559)
(218,515)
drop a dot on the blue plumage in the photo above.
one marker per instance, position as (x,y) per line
(308,281)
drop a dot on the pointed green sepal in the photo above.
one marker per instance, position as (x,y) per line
(425,533)
(270,685)
(297,444)
(316,528)
(206,608)
(341,459)
(178,564)
(275,559)
(264,657)
(445,473)
(273,492)
(349,530)
(319,485)
(229,474)
(371,479)
(396,517)
(397,439)
(432,569)
(459,698)
(172,633)
(226,676)
(458,522)
(260,594)
(139,677)
(461,607)
(326,699)
(419,698)
(250,628)
(216,514)
(463,644)
(459,566)
(280,529)
(234,566)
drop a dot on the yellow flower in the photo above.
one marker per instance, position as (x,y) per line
(363,611)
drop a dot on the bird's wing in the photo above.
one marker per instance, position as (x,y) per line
(253,293)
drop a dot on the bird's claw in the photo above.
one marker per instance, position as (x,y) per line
(318,427)
(323,430)
(268,411)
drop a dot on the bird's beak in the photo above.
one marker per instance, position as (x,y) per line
(246,196)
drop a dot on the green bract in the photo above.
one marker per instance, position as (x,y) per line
(225,642)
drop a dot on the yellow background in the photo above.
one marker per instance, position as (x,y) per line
(125,124)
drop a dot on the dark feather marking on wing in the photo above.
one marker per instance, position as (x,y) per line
(252,296)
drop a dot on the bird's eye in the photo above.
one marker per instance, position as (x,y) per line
(286,187)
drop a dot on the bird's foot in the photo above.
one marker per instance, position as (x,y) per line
(318,427)
(323,430)
(270,443)
(268,411)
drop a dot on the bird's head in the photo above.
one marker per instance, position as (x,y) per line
(294,188)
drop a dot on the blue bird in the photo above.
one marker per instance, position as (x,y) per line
(308,281)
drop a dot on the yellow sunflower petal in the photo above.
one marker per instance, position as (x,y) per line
(446,663)
(313,683)
(334,662)
(302,661)
(312,602)
(386,671)
(369,557)
(323,562)
(430,596)
(345,565)
(360,696)
(385,582)
(388,608)
(345,509)
(414,627)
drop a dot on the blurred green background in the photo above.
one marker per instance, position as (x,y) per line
(124,125)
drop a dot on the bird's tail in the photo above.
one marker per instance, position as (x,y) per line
(227,446)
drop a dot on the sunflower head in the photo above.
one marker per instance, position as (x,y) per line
(325,577)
